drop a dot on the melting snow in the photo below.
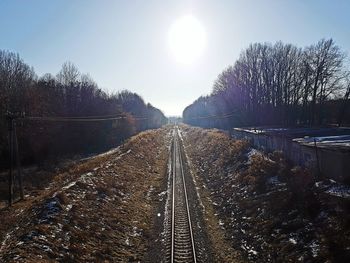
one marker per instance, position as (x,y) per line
(251,251)
(293,241)
(251,153)
(334,188)
(340,191)
(49,210)
(69,207)
(69,185)
(315,248)
(136,232)
(8,235)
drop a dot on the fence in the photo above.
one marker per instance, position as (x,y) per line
(331,162)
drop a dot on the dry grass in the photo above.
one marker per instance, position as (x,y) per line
(263,208)
(221,151)
(99,210)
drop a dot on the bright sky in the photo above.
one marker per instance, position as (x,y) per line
(125,44)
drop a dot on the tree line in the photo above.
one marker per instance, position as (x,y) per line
(278,84)
(68,94)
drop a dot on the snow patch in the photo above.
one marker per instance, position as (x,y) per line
(334,188)
(251,153)
(69,185)
(293,241)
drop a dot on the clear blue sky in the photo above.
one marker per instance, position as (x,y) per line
(123,44)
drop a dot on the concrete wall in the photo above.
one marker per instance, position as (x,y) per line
(330,162)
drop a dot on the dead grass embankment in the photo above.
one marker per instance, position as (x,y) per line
(100,210)
(266,209)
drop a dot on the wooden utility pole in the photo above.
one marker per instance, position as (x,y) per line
(18,163)
(14,157)
(10,122)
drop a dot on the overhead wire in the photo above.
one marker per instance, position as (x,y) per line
(78,119)
(109,118)
(213,116)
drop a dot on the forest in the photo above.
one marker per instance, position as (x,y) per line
(68,94)
(278,84)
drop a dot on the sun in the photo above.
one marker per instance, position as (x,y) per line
(187,39)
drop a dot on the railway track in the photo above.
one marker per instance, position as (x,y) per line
(182,245)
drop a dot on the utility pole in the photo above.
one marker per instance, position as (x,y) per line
(14,157)
(10,124)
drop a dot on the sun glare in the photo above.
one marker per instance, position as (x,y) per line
(187,39)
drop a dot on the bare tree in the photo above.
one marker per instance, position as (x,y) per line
(346,100)
(326,64)
(15,76)
(69,94)
(68,74)
(275,84)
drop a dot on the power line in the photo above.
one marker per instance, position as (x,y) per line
(78,119)
(14,156)
(75,119)
(91,116)
(213,116)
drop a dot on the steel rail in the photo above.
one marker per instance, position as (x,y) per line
(188,209)
(173,205)
(177,157)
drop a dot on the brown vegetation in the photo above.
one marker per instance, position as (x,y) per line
(99,210)
(267,209)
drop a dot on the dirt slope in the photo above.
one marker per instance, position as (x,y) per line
(100,210)
(267,210)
